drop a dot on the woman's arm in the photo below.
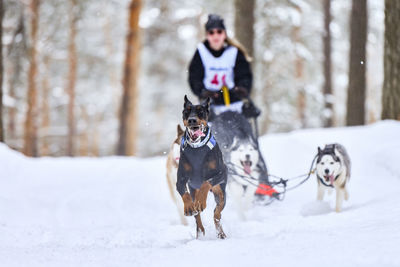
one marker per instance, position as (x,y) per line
(196,74)
(242,73)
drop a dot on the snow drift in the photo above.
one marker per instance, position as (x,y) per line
(117,211)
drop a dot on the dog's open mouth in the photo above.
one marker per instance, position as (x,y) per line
(196,131)
(247,166)
(329,178)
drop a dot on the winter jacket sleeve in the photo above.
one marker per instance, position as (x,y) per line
(196,74)
(242,72)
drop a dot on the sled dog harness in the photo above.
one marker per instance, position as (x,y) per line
(196,155)
(218,71)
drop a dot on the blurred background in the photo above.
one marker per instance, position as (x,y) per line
(98,78)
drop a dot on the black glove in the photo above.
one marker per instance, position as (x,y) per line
(249,110)
(241,92)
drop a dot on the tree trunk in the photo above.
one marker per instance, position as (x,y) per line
(299,74)
(30,135)
(357,81)
(244,23)
(84,135)
(128,111)
(72,79)
(391,83)
(1,71)
(45,110)
(15,69)
(328,96)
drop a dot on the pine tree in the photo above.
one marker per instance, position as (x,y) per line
(72,77)
(391,65)
(128,111)
(328,118)
(30,135)
(244,22)
(1,72)
(356,93)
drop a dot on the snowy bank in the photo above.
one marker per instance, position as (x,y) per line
(117,211)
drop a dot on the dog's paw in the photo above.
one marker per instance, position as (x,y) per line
(188,205)
(190,210)
(221,235)
(200,232)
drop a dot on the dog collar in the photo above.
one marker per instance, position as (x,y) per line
(209,140)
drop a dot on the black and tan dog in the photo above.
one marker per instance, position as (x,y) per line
(201,167)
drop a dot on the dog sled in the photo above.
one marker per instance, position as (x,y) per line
(235,129)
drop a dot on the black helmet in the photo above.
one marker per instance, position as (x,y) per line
(215,22)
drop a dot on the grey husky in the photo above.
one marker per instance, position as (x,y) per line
(246,167)
(333,171)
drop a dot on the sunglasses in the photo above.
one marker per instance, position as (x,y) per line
(216,31)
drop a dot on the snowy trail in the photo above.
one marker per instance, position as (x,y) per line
(117,211)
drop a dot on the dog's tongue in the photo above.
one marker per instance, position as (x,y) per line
(197,133)
(247,169)
(331,179)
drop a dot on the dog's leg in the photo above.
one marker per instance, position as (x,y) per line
(339,198)
(199,226)
(346,178)
(220,200)
(171,182)
(201,196)
(237,193)
(346,193)
(199,223)
(321,192)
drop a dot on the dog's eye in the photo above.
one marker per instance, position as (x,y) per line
(331,163)
(322,163)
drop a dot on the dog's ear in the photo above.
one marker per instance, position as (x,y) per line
(253,142)
(179,130)
(206,104)
(187,102)
(336,153)
(319,151)
(234,143)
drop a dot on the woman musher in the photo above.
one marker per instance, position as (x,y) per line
(220,69)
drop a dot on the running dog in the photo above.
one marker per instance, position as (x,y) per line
(333,171)
(201,167)
(172,169)
(247,171)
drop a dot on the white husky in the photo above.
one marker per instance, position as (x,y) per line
(244,172)
(172,169)
(333,171)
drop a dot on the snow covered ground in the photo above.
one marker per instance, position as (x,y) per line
(117,211)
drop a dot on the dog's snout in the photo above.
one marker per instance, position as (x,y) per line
(192,121)
(247,156)
(327,171)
